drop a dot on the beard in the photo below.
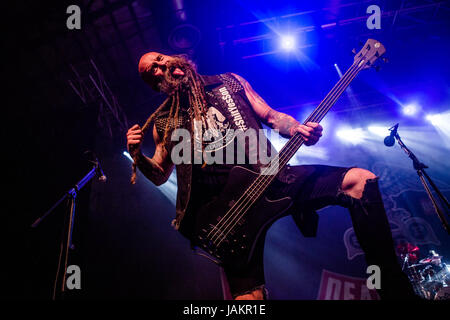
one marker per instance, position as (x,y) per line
(171,83)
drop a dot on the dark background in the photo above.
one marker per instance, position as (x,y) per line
(123,239)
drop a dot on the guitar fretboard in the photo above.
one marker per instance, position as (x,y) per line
(371,51)
(296,141)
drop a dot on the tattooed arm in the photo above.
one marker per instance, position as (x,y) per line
(158,168)
(285,124)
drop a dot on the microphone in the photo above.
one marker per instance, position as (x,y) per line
(93,159)
(102,177)
(389,141)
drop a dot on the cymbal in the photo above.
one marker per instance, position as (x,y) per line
(430,259)
(416,265)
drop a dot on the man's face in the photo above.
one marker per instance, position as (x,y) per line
(156,69)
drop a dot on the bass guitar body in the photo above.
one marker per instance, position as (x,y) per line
(227,229)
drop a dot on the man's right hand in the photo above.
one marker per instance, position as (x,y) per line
(134,140)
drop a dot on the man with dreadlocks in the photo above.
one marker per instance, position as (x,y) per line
(227,101)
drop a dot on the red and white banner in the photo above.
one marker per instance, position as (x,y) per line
(335,286)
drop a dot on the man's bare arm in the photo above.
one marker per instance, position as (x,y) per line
(284,123)
(158,168)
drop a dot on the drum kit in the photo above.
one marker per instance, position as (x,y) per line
(429,276)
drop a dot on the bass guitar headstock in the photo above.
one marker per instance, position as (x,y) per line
(370,52)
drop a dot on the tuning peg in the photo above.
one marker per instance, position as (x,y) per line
(385,60)
(354,51)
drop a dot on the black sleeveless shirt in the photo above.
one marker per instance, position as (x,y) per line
(227,108)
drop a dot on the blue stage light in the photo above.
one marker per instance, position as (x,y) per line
(379,131)
(353,136)
(288,43)
(410,109)
(433,118)
(440,122)
(126,154)
(169,189)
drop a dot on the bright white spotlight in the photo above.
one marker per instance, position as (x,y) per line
(440,122)
(287,43)
(353,136)
(379,131)
(435,119)
(410,109)
(126,154)
(169,189)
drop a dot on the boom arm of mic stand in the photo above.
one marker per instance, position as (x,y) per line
(67,244)
(416,163)
(71,192)
(419,167)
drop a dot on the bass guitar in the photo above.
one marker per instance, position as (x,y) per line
(229,227)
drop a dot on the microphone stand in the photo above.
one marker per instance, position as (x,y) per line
(423,176)
(67,244)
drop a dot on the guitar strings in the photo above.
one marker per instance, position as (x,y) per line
(326,100)
(238,214)
(235,212)
(262,181)
(261,185)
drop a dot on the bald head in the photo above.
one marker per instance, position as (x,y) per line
(147,60)
(160,70)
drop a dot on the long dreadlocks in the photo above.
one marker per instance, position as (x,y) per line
(186,89)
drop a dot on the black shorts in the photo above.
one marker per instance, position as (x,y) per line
(312,187)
